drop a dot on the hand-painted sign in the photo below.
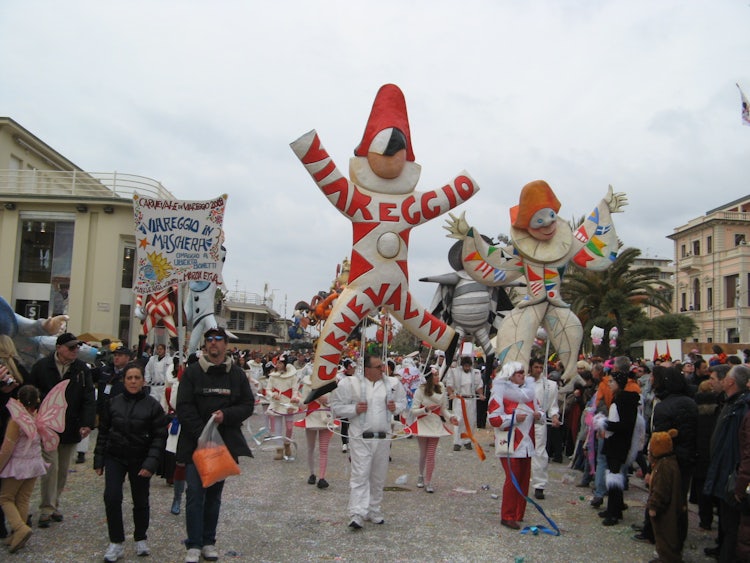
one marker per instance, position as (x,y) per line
(177,241)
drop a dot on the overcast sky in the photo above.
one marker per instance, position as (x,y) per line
(206,97)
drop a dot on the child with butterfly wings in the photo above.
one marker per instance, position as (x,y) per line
(31,427)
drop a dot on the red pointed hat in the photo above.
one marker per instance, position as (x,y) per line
(535,195)
(388,110)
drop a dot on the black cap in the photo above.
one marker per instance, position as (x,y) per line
(121,349)
(215,330)
(67,339)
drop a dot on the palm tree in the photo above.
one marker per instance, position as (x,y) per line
(615,296)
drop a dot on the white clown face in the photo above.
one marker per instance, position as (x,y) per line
(543,224)
(384,173)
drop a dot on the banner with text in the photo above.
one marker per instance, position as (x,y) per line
(177,241)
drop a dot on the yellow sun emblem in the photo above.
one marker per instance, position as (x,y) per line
(161,265)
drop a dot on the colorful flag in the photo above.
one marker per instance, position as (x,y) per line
(745,107)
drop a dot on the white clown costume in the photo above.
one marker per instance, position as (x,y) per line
(546,402)
(369,443)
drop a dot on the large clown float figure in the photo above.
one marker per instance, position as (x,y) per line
(380,201)
(542,246)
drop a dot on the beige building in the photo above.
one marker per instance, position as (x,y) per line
(68,241)
(712,263)
(68,246)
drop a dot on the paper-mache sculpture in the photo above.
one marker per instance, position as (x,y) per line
(473,308)
(380,201)
(542,245)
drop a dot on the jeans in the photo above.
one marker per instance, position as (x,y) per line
(202,508)
(114,476)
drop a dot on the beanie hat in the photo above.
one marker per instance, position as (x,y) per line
(661,442)
(535,195)
(388,112)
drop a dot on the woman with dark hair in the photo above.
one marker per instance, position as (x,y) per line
(618,427)
(430,407)
(132,436)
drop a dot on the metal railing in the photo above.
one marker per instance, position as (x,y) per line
(77,183)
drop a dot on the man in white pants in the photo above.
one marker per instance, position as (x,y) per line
(369,403)
(464,382)
(546,402)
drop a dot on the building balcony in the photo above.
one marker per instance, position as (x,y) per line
(76,184)
(689,263)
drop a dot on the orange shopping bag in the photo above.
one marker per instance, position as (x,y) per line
(212,458)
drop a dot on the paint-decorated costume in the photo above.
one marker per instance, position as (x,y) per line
(542,247)
(515,448)
(383,207)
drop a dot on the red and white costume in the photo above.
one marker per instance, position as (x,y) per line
(281,389)
(516,449)
(383,212)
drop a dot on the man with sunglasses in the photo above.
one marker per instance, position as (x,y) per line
(212,386)
(80,414)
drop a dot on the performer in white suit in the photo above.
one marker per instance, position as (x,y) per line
(369,403)
(546,403)
(464,383)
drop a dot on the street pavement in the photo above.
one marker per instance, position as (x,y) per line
(270,514)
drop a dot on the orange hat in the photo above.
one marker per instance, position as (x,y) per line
(661,442)
(535,195)
(388,111)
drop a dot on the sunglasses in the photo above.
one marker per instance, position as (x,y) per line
(216,338)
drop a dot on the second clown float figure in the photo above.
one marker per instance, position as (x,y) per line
(380,201)
(542,246)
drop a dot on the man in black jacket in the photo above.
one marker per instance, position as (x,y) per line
(62,364)
(212,386)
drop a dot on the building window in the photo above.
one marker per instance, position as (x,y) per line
(696,248)
(739,239)
(683,251)
(46,252)
(128,267)
(696,295)
(733,336)
(237,320)
(730,290)
(683,302)
(710,297)
(123,326)
(709,244)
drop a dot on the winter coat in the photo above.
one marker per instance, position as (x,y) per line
(708,413)
(81,411)
(110,385)
(743,480)
(677,410)
(620,425)
(204,389)
(132,428)
(725,453)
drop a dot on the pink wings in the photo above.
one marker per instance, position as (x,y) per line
(51,416)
